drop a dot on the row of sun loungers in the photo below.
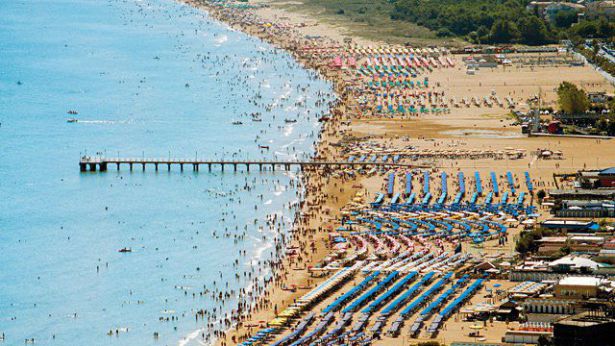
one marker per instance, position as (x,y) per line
(453,306)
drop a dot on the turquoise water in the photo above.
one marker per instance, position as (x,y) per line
(149,78)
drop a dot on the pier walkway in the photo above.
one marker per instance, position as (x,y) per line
(101,164)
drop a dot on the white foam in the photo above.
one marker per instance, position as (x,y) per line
(221,39)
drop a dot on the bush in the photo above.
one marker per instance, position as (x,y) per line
(444,32)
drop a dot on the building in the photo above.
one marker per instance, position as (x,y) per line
(583,194)
(578,287)
(586,209)
(574,264)
(588,328)
(597,97)
(598,9)
(536,271)
(551,10)
(606,177)
(549,306)
(550,246)
(597,178)
(548,9)
(525,336)
(554,127)
(570,226)
(586,244)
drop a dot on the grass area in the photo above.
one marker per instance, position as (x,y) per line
(369,19)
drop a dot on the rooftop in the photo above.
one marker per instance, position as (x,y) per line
(586,319)
(580,281)
(553,239)
(575,262)
(608,171)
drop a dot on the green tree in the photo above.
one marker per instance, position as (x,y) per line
(564,19)
(611,105)
(504,31)
(605,28)
(532,30)
(483,33)
(610,129)
(571,99)
(541,194)
(444,32)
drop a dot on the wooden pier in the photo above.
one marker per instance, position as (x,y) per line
(100,164)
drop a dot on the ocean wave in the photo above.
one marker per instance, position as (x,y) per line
(105,122)
(221,39)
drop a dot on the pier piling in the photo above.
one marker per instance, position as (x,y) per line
(94,164)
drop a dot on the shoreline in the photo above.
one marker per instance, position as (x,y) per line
(238,331)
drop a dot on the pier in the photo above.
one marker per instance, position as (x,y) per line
(101,164)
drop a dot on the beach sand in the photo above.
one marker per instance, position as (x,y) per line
(468,128)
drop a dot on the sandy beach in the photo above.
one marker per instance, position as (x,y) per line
(447,142)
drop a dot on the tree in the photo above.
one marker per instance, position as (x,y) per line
(564,19)
(571,99)
(541,194)
(444,32)
(595,46)
(611,105)
(483,33)
(532,30)
(503,31)
(605,29)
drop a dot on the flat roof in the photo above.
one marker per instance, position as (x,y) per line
(587,237)
(552,239)
(566,222)
(588,281)
(608,171)
(583,192)
(585,319)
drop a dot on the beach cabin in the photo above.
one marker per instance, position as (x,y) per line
(571,226)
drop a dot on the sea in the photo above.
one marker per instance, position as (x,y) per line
(139,79)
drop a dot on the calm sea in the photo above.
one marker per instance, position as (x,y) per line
(149,78)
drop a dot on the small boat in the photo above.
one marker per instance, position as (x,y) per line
(237,122)
(263,146)
(72,120)
(258,120)
(125,249)
(72,112)
(290,121)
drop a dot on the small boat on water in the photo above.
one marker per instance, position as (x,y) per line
(237,122)
(290,121)
(72,120)
(263,146)
(258,120)
(125,249)
(73,112)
